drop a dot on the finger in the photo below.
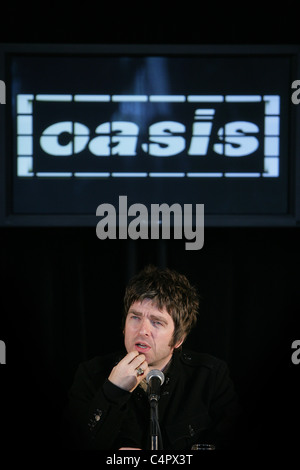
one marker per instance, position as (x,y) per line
(131,356)
(144,365)
(137,361)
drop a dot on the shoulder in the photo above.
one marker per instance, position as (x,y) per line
(202,360)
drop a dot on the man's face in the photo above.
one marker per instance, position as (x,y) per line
(149,331)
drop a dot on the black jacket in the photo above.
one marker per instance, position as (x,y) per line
(198,404)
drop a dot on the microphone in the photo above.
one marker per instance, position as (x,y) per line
(155,378)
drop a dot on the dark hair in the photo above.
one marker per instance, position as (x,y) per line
(167,289)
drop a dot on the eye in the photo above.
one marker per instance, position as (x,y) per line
(134,317)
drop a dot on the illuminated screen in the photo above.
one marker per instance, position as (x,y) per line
(207,128)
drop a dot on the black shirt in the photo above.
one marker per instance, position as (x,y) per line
(197,404)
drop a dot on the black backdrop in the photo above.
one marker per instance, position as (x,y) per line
(62,288)
(63,291)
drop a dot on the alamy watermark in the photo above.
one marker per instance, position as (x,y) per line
(296,354)
(135,222)
(2,92)
(2,352)
(296,94)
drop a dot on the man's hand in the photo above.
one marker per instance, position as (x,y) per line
(124,374)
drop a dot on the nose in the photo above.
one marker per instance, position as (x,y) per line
(144,327)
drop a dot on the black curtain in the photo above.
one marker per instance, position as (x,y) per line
(61,303)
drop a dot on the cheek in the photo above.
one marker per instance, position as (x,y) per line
(165,340)
(125,332)
(128,331)
(127,340)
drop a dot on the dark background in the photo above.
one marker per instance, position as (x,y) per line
(62,288)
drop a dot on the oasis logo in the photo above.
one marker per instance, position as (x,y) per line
(72,135)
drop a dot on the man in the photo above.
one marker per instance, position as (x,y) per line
(108,402)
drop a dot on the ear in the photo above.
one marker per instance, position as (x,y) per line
(177,345)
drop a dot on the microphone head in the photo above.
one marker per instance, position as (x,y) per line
(155,373)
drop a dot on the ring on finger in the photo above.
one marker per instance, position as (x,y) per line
(139,371)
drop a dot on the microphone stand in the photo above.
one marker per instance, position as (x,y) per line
(154,424)
(155,378)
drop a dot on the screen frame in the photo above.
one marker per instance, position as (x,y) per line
(8,219)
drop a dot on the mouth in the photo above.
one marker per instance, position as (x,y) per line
(142,347)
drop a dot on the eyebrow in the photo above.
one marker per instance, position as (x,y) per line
(152,316)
